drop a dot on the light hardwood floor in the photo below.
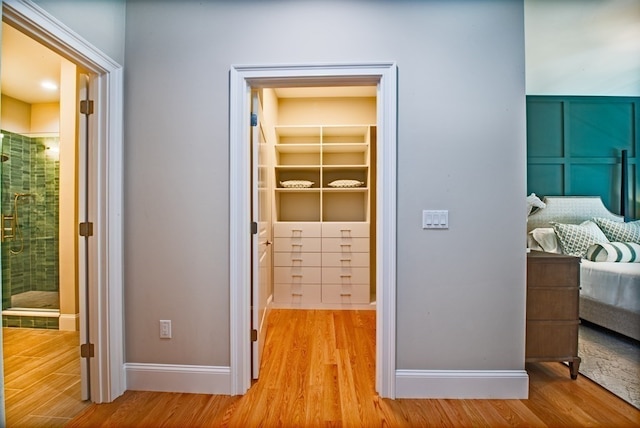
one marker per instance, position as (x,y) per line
(41,377)
(318,370)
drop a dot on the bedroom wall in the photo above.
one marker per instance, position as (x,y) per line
(587,47)
(574,148)
(100,22)
(452,56)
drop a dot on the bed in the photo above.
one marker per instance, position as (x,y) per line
(609,290)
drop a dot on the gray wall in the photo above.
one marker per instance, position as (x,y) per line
(461,146)
(100,22)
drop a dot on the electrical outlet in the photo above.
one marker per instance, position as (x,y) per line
(165,329)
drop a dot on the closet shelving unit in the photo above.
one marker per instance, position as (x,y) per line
(321,232)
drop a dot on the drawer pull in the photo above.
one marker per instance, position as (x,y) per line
(345,294)
(296,275)
(345,275)
(345,259)
(296,233)
(296,259)
(296,294)
(342,245)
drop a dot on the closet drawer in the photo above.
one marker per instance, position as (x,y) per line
(296,230)
(297,275)
(297,294)
(345,260)
(345,245)
(349,275)
(345,230)
(335,293)
(297,245)
(299,259)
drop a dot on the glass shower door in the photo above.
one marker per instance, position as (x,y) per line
(29,199)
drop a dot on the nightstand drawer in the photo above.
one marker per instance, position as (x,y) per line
(552,303)
(548,339)
(549,274)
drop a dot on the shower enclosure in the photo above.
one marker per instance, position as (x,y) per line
(29,205)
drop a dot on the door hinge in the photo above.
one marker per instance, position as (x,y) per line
(254,227)
(86,228)
(86,350)
(254,335)
(86,107)
(254,119)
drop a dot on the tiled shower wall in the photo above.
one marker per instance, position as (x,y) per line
(35,169)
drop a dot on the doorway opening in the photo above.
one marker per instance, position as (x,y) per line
(314,180)
(99,195)
(245,79)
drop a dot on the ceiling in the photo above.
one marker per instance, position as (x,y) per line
(25,64)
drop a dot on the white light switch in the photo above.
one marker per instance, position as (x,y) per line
(435,219)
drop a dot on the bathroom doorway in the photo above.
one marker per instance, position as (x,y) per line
(38,200)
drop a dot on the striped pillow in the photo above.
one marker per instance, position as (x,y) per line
(628,252)
(618,231)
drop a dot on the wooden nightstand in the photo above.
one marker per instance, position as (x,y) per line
(553,288)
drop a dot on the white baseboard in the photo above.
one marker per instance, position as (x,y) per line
(69,322)
(178,378)
(462,384)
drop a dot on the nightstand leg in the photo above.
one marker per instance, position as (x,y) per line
(574,366)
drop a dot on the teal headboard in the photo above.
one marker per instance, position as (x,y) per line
(574,146)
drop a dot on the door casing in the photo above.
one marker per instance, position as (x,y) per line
(242,80)
(105,286)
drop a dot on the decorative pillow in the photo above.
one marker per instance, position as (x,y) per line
(546,239)
(576,239)
(617,231)
(345,183)
(628,252)
(296,183)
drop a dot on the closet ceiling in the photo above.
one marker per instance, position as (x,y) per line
(25,65)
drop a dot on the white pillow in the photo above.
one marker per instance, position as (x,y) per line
(296,183)
(345,183)
(576,239)
(628,252)
(545,238)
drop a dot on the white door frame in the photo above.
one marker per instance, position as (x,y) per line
(105,187)
(242,79)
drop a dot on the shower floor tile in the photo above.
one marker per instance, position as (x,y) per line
(36,300)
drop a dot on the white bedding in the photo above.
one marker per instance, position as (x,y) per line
(617,284)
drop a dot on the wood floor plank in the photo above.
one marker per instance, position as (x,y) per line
(319,370)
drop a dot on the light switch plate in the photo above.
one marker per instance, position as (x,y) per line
(435,219)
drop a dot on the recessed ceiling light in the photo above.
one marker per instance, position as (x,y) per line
(47,84)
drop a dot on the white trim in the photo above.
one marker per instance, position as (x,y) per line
(68,322)
(242,78)
(462,384)
(178,378)
(106,284)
